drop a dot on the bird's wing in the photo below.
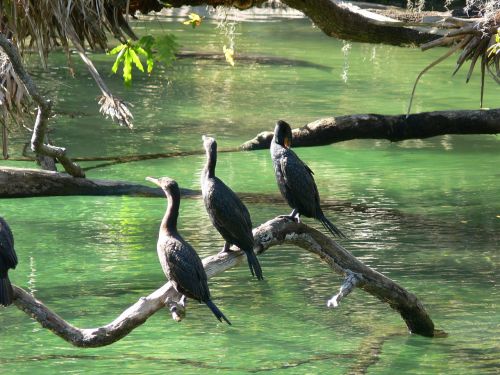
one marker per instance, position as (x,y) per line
(186,269)
(300,183)
(7,252)
(230,215)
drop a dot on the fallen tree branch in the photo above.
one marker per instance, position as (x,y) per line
(391,127)
(20,183)
(272,233)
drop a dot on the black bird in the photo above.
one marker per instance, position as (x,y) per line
(8,259)
(295,179)
(226,211)
(179,261)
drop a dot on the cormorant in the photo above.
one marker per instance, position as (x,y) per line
(8,259)
(295,179)
(179,261)
(226,210)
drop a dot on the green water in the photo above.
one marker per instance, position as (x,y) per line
(432,220)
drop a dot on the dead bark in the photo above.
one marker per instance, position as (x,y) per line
(272,233)
(345,21)
(43,114)
(393,128)
(20,183)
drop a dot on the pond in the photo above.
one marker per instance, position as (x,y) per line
(431,223)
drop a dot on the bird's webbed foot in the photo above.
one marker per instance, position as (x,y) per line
(294,216)
(225,249)
(183,301)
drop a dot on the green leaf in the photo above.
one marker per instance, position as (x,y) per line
(146,42)
(194,20)
(136,60)
(166,47)
(150,62)
(117,49)
(119,59)
(141,51)
(127,67)
(145,48)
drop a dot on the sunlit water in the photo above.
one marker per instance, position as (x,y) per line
(425,213)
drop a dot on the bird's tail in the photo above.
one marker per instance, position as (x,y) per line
(218,314)
(254,265)
(6,292)
(330,227)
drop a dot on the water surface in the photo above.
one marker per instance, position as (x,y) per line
(431,217)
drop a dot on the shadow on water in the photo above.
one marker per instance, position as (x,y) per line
(367,355)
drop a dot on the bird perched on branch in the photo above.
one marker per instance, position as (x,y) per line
(8,260)
(227,212)
(295,179)
(179,261)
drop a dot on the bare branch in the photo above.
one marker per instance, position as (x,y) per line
(351,281)
(272,233)
(44,109)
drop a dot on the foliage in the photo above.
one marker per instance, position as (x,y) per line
(495,48)
(229,54)
(161,49)
(194,20)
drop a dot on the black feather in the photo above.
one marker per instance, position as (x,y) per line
(218,314)
(227,212)
(295,179)
(179,261)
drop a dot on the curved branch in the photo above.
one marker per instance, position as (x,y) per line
(391,127)
(44,110)
(272,233)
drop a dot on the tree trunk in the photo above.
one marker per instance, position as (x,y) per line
(393,128)
(274,232)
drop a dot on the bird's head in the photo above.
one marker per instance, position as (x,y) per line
(166,183)
(209,144)
(283,134)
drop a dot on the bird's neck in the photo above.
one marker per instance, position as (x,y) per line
(169,222)
(276,149)
(209,169)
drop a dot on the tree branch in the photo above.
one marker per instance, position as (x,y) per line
(343,20)
(351,281)
(44,110)
(393,128)
(272,233)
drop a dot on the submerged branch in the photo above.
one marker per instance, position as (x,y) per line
(272,233)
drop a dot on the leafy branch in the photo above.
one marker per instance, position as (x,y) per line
(160,49)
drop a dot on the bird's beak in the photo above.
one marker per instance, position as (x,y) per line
(153,180)
(287,142)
